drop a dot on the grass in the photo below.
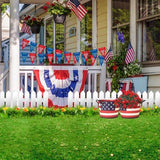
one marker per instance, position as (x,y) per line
(80,138)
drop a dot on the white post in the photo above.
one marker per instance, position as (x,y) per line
(133,23)
(109,23)
(103,78)
(0,34)
(14,46)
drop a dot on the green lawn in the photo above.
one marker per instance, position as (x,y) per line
(79,137)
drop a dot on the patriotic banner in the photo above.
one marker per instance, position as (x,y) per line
(50,50)
(68,57)
(109,55)
(26,29)
(58,51)
(76,56)
(50,58)
(58,83)
(130,54)
(78,9)
(101,59)
(92,59)
(32,46)
(41,58)
(83,60)
(102,51)
(32,57)
(41,48)
(85,54)
(24,43)
(94,53)
(59,58)
(24,56)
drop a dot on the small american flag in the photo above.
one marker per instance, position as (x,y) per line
(152,55)
(130,54)
(26,29)
(108,109)
(77,8)
(109,55)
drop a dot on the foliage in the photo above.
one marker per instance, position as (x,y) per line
(60,8)
(44,111)
(128,99)
(4,7)
(32,20)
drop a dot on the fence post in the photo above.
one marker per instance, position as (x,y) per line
(70,99)
(1,99)
(8,99)
(95,97)
(82,99)
(157,98)
(88,99)
(76,98)
(151,99)
(45,99)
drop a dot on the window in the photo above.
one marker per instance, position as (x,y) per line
(148,23)
(120,23)
(86,29)
(59,35)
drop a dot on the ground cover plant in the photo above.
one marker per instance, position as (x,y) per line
(83,135)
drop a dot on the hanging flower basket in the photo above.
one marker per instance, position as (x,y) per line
(35,28)
(107,109)
(59,19)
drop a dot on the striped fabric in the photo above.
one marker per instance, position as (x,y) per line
(130,54)
(26,29)
(77,8)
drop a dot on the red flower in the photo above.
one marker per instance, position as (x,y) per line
(33,19)
(45,8)
(114,68)
(48,3)
(17,109)
(95,109)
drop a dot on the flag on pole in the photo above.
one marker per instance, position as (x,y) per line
(130,54)
(152,55)
(78,9)
(26,29)
(109,55)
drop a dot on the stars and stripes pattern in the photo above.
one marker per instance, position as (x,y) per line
(152,55)
(109,55)
(130,112)
(26,29)
(107,109)
(130,55)
(78,9)
(58,83)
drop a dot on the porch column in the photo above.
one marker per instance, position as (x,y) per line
(133,24)
(109,23)
(0,33)
(14,46)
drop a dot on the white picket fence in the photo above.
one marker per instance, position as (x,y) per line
(23,100)
(85,99)
(88,99)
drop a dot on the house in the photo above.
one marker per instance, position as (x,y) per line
(138,20)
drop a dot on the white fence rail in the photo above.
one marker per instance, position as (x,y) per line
(88,99)
(11,99)
(85,99)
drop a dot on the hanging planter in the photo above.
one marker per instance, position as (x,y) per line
(59,19)
(35,28)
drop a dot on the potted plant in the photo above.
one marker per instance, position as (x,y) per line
(129,103)
(59,10)
(107,108)
(34,23)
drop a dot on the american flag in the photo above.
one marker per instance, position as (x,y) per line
(152,55)
(130,112)
(130,54)
(109,55)
(79,10)
(107,109)
(26,29)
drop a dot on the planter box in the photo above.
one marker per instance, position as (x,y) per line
(107,108)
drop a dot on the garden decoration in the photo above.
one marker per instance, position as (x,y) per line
(35,23)
(129,103)
(107,108)
(59,10)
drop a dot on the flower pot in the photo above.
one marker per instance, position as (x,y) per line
(35,28)
(59,19)
(130,112)
(107,108)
